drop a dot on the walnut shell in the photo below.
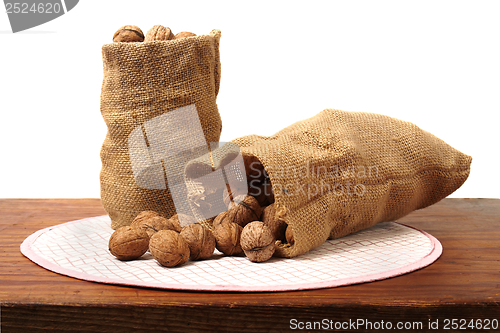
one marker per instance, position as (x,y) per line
(184,34)
(257,242)
(142,217)
(158,32)
(289,235)
(243,210)
(228,196)
(146,214)
(227,237)
(181,220)
(201,241)
(277,226)
(128,34)
(169,248)
(222,217)
(128,243)
(150,224)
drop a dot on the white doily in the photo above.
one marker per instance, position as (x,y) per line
(80,249)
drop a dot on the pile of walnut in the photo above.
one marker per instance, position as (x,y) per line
(133,34)
(250,226)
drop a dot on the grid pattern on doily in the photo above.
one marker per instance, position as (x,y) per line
(80,249)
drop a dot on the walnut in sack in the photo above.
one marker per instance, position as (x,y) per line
(128,34)
(184,34)
(277,226)
(257,241)
(201,241)
(243,210)
(169,248)
(229,195)
(227,237)
(128,243)
(158,32)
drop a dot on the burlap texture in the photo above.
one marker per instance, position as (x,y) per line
(340,172)
(142,81)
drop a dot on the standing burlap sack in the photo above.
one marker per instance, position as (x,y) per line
(340,172)
(143,81)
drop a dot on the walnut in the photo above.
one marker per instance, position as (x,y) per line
(257,242)
(227,237)
(201,241)
(184,34)
(141,220)
(289,235)
(128,34)
(243,210)
(158,32)
(150,223)
(229,195)
(181,220)
(277,226)
(169,248)
(222,217)
(128,243)
(144,215)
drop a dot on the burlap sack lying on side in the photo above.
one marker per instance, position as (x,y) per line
(340,172)
(143,81)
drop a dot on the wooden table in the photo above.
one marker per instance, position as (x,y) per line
(463,284)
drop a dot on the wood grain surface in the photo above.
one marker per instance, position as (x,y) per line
(464,283)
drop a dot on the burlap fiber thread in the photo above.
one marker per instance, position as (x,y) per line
(340,172)
(142,81)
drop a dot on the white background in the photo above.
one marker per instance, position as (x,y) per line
(434,63)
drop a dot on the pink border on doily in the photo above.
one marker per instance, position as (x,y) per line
(433,255)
